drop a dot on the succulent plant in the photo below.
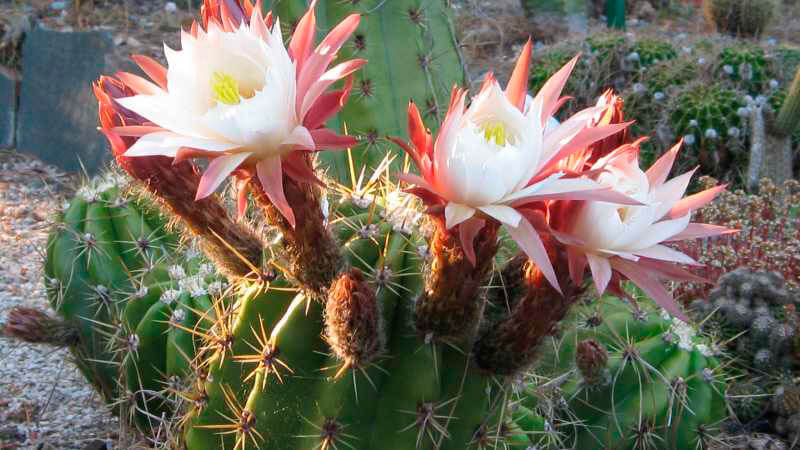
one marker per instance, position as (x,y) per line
(758,308)
(747,400)
(647,51)
(116,277)
(712,120)
(739,17)
(746,65)
(660,386)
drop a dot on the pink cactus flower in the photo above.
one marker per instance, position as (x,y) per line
(631,241)
(493,159)
(237,95)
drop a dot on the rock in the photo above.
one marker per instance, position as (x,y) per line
(57,118)
(8,108)
(59,5)
(645,11)
(170,7)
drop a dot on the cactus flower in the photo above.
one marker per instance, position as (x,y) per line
(630,241)
(498,155)
(237,95)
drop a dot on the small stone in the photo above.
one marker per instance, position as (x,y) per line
(170,7)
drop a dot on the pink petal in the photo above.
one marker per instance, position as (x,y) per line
(694,202)
(669,193)
(138,84)
(701,230)
(270,174)
(303,38)
(601,271)
(316,64)
(503,214)
(218,169)
(296,166)
(548,95)
(416,129)
(529,241)
(581,140)
(325,138)
(185,153)
(411,151)
(670,271)
(517,88)
(327,106)
(242,189)
(136,130)
(650,285)
(320,85)
(577,265)
(153,69)
(664,253)
(658,172)
(466,233)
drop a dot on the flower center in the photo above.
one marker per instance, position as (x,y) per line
(226,88)
(496,133)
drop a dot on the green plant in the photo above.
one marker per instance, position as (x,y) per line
(712,121)
(633,379)
(739,17)
(412,54)
(115,276)
(746,65)
(749,310)
(648,51)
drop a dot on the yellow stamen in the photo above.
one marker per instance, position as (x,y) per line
(226,88)
(496,133)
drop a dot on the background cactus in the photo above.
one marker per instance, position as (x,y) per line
(739,17)
(412,54)
(757,310)
(711,119)
(661,387)
(747,66)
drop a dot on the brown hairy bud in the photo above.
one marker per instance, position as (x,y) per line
(314,258)
(452,303)
(37,327)
(353,320)
(509,347)
(591,358)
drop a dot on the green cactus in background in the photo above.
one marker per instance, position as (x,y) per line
(787,60)
(739,17)
(712,120)
(412,54)
(648,51)
(746,65)
(632,380)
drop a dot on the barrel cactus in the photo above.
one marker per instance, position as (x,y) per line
(756,313)
(414,38)
(712,120)
(634,379)
(648,51)
(739,17)
(747,66)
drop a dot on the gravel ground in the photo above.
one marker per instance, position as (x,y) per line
(45,403)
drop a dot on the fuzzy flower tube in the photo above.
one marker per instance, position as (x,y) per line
(236,95)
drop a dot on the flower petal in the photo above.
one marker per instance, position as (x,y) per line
(153,69)
(454,214)
(467,231)
(299,139)
(650,285)
(701,230)
(218,169)
(517,88)
(664,253)
(529,241)
(316,89)
(503,214)
(303,37)
(577,265)
(328,105)
(270,174)
(325,138)
(601,271)
(547,97)
(167,144)
(694,202)
(658,172)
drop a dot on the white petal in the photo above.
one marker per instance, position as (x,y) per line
(504,214)
(665,253)
(529,241)
(167,144)
(300,138)
(455,213)
(601,271)
(218,169)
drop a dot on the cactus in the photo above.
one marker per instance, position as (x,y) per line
(132,300)
(414,38)
(747,401)
(711,119)
(746,65)
(739,17)
(642,380)
(756,307)
(649,51)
